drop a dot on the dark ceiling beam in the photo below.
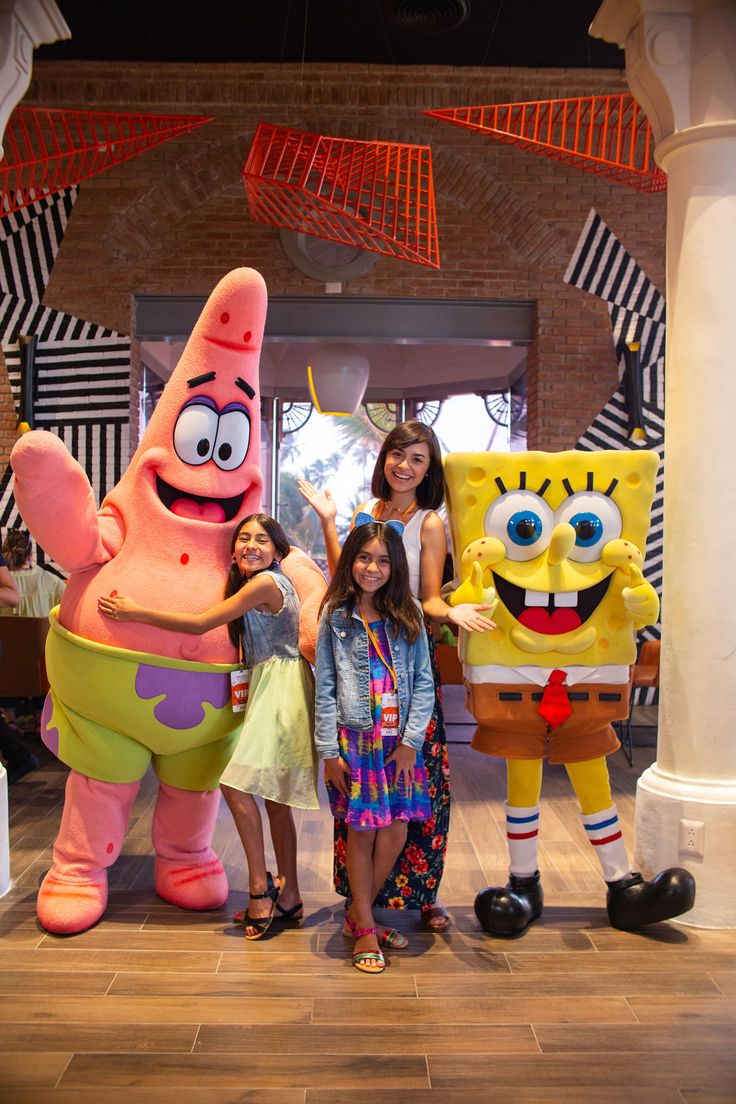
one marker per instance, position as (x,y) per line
(342,317)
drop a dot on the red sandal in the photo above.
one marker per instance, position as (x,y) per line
(368,962)
(387,937)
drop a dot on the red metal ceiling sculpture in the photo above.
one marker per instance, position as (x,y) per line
(374,195)
(606,135)
(46,150)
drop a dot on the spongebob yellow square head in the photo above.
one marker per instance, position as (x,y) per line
(561,537)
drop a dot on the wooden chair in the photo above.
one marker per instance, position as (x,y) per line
(448,664)
(22,664)
(644,676)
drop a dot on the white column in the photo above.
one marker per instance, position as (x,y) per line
(4,834)
(23,25)
(681,65)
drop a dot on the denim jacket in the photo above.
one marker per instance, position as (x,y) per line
(343,681)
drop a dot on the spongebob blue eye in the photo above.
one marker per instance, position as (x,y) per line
(588,528)
(522,521)
(596,520)
(524,527)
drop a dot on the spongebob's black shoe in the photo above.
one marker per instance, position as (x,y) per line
(510,909)
(632,902)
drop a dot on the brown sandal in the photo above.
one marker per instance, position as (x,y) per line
(435,918)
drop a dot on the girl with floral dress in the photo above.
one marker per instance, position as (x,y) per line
(274,757)
(374,699)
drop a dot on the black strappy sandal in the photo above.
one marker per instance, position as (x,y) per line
(263,923)
(289,916)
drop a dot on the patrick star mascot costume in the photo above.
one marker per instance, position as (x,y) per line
(126,695)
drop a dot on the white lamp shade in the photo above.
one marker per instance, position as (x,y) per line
(338,377)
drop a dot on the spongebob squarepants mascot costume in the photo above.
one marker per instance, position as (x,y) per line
(555,542)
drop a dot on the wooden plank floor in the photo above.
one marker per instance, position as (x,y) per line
(159,1006)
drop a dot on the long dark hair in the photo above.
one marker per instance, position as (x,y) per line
(236,580)
(17,548)
(431,491)
(393,601)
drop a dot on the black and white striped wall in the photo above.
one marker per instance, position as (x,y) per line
(601,266)
(82,370)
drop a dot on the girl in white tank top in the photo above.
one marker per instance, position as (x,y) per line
(408,486)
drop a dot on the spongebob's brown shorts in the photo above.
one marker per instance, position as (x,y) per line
(509,724)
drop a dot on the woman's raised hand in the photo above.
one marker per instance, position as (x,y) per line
(118,608)
(321,502)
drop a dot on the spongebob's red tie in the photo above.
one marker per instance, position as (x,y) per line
(555,706)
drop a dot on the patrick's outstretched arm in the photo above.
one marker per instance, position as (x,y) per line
(310,585)
(56,502)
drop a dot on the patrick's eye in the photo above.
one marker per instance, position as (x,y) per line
(522,521)
(233,438)
(596,520)
(194,434)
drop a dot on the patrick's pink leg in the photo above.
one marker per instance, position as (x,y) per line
(73,895)
(188,873)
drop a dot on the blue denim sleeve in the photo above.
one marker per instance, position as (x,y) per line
(325,699)
(422,698)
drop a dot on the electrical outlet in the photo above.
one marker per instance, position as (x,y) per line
(692,838)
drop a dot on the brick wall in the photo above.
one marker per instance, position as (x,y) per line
(8,415)
(174,220)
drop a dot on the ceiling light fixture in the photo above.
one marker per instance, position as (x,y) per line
(338,377)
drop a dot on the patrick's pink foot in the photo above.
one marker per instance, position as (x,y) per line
(190,884)
(67,905)
(73,895)
(188,873)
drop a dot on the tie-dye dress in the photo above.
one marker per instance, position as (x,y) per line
(375,799)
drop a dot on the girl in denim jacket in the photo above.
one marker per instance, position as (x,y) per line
(374,699)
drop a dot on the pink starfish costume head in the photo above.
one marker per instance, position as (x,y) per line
(199,458)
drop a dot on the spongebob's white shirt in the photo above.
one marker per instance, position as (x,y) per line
(609,674)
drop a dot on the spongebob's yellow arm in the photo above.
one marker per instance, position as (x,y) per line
(639,597)
(473,591)
(640,600)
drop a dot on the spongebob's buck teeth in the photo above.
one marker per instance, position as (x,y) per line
(541,598)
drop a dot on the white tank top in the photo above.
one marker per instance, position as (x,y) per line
(412,541)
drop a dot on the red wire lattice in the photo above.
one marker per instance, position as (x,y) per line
(374,195)
(49,149)
(606,135)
